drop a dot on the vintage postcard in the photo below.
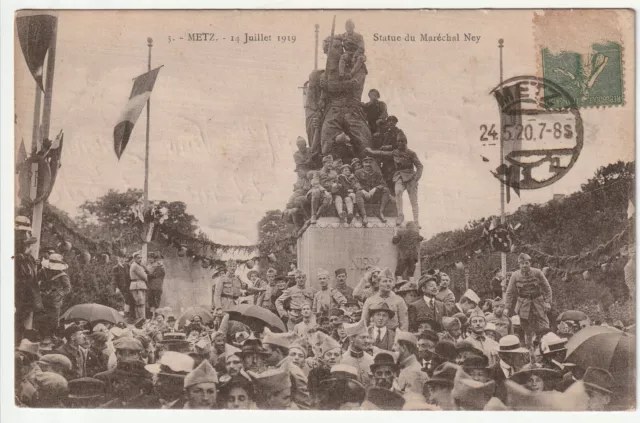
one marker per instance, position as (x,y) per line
(325,210)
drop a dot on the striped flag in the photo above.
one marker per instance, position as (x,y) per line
(142,87)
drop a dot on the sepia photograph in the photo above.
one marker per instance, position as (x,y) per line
(416,209)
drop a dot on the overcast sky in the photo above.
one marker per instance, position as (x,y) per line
(225,115)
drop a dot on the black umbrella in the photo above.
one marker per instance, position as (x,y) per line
(256,318)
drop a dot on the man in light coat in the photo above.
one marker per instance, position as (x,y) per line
(411,377)
(396,303)
(138,286)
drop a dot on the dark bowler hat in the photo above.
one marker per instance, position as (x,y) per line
(382,306)
(444,374)
(336,312)
(426,278)
(476,362)
(445,350)
(383,358)
(434,325)
(85,388)
(431,336)
(467,346)
(252,345)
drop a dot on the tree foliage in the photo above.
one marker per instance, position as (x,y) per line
(272,229)
(111,218)
(570,225)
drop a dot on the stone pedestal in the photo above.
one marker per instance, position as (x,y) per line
(330,245)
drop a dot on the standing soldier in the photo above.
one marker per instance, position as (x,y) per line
(341,284)
(299,293)
(54,286)
(156,281)
(408,172)
(264,299)
(138,287)
(327,298)
(228,288)
(533,293)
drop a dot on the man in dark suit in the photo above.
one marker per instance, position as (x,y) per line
(427,307)
(382,336)
(512,358)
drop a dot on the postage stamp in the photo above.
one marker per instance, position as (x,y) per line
(592,79)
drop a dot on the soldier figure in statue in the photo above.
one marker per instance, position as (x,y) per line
(297,208)
(343,106)
(347,186)
(373,190)
(375,110)
(353,57)
(302,158)
(323,183)
(408,173)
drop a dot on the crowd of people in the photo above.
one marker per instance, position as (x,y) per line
(388,343)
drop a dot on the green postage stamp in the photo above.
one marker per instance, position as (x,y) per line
(593,79)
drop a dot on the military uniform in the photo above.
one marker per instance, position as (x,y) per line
(320,192)
(298,295)
(532,291)
(411,377)
(370,179)
(325,300)
(361,361)
(405,177)
(488,346)
(226,292)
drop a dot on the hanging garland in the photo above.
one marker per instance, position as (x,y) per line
(192,247)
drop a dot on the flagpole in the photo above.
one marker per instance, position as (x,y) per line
(315,63)
(146,162)
(503,256)
(40,135)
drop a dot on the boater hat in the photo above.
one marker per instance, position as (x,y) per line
(23,223)
(511,344)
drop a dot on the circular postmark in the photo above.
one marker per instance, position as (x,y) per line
(540,142)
